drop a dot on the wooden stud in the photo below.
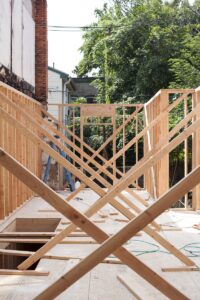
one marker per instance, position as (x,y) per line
(6,272)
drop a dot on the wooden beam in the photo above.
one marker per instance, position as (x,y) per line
(181,269)
(6,272)
(129,288)
(39,234)
(196,154)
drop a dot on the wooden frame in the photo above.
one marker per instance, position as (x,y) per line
(113,243)
(16,119)
(121,209)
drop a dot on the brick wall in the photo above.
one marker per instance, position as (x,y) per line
(41,51)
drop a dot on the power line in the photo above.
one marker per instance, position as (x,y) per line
(80,28)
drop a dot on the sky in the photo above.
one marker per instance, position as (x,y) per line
(63,46)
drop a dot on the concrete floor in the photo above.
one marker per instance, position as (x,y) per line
(101,282)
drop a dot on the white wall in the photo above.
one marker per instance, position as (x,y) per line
(23,38)
(54,92)
(5,32)
(28,47)
(17,38)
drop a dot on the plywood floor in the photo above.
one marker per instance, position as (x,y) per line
(101,282)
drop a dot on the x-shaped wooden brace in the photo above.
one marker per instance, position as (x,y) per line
(109,244)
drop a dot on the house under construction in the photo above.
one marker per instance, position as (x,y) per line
(123,232)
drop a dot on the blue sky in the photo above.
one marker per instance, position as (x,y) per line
(63,46)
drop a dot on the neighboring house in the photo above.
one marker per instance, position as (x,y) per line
(59,89)
(82,87)
(64,90)
(24,47)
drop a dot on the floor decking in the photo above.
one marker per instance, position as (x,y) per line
(102,282)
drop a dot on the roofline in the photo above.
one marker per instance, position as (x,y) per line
(62,74)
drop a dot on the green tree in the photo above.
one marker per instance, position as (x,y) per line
(138,47)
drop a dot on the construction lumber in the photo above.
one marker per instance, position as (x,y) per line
(128,178)
(181,269)
(38,234)
(44,241)
(6,272)
(105,199)
(196,226)
(54,154)
(149,143)
(196,152)
(50,256)
(129,288)
(86,225)
(16,252)
(114,242)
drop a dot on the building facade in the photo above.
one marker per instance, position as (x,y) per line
(24,47)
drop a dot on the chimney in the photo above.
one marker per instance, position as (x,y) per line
(41,51)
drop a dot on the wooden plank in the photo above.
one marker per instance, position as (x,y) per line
(86,225)
(97,110)
(39,234)
(43,241)
(129,288)
(181,269)
(6,272)
(149,144)
(196,154)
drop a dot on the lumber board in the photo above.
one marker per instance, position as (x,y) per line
(130,288)
(181,269)
(38,234)
(6,272)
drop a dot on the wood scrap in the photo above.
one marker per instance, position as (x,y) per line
(196,226)
(181,269)
(24,272)
(129,288)
(121,220)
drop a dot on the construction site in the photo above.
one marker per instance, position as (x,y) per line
(74,223)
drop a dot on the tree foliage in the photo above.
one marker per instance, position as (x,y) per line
(138,47)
